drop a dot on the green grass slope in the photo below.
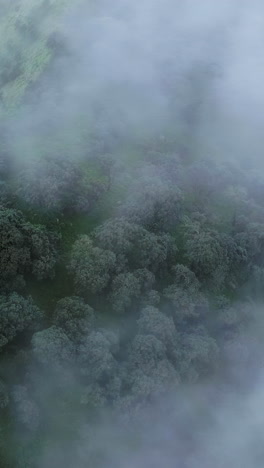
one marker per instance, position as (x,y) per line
(27,30)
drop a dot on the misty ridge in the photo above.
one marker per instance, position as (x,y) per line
(131,234)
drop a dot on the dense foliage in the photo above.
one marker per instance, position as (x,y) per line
(126,270)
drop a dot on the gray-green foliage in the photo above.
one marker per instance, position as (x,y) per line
(43,252)
(151,298)
(250,238)
(134,246)
(14,248)
(17,314)
(153,321)
(199,353)
(184,277)
(52,347)
(146,352)
(184,294)
(214,256)
(75,317)
(96,356)
(185,304)
(148,371)
(156,323)
(91,266)
(48,183)
(126,288)
(173,324)
(58,184)
(153,204)
(204,251)
(24,248)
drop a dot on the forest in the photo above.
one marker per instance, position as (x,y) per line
(131,234)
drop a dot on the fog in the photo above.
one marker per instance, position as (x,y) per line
(192,69)
(187,76)
(219,423)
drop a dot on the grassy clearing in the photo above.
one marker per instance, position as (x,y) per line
(26,26)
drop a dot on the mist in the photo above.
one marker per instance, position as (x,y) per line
(134,71)
(131,234)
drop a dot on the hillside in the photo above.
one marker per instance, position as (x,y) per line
(131,235)
(29,37)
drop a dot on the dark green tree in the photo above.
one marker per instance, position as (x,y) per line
(17,315)
(91,266)
(75,317)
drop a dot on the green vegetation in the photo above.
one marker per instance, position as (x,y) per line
(128,262)
(27,28)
